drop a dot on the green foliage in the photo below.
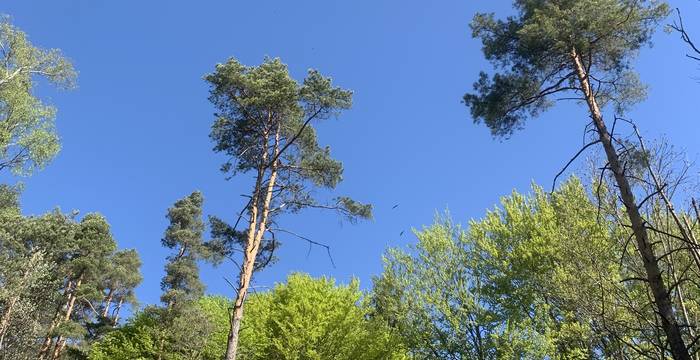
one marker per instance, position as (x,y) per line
(195,333)
(260,105)
(28,138)
(42,259)
(305,318)
(227,241)
(184,234)
(537,278)
(310,318)
(532,53)
(134,340)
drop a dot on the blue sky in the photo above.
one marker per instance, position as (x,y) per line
(135,132)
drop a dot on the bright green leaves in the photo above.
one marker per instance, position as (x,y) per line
(314,319)
(304,319)
(524,282)
(23,59)
(532,53)
(430,295)
(28,139)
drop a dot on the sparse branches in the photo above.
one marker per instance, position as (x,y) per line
(678,26)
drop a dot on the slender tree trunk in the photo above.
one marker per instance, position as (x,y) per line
(107,304)
(662,297)
(60,344)
(118,308)
(256,231)
(71,291)
(681,298)
(61,341)
(6,317)
(48,340)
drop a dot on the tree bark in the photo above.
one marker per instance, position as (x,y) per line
(256,231)
(115,319)
(61,341)
(662,297)
(107,304)
(71,291)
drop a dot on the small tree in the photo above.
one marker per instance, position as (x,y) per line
(184,235)
(582,49)
(28,138)
(263,125)
(182,327)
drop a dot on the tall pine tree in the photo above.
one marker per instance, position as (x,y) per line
(580,49)
(264,126)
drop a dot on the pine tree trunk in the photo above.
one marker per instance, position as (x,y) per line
(61,341)
(107,304)
(60,344)
(662,298)
(115,320)
(256,231)
(71,291)
(48,340)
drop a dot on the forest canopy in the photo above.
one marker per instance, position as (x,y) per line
(209,155)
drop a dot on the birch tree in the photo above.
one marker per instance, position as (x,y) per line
(28,138)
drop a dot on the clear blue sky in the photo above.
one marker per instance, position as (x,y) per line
(135,132)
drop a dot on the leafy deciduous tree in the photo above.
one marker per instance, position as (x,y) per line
(28,138)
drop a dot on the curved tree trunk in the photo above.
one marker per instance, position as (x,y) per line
(662,297)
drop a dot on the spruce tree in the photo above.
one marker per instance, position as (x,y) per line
(182,327)
(184,235)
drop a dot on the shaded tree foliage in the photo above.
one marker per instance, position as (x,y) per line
(55,289)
